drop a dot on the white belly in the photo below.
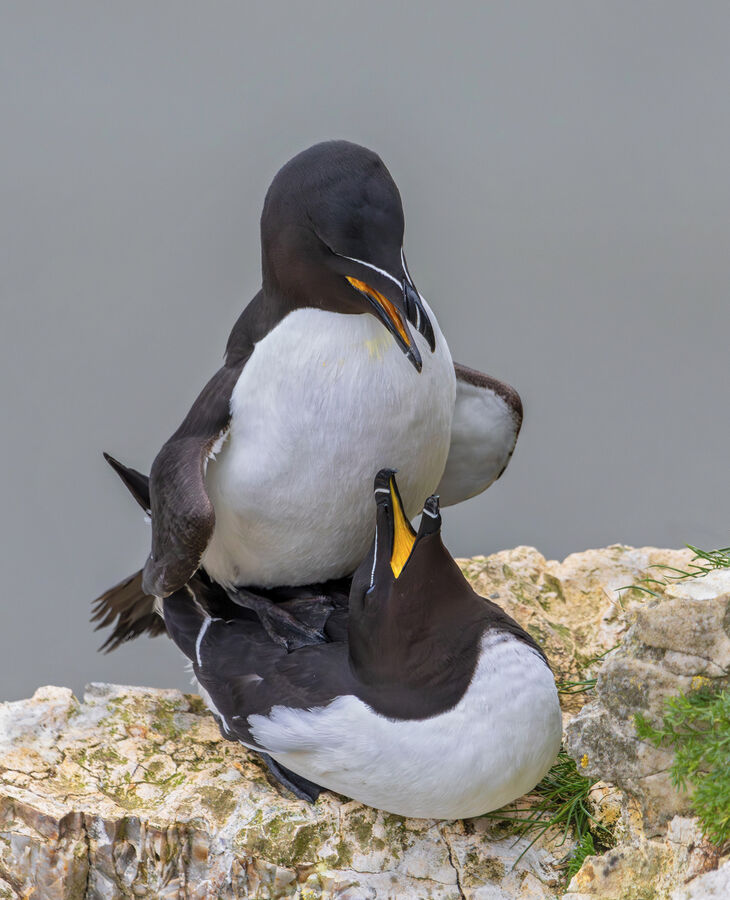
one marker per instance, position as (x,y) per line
(324,402)
(492,747)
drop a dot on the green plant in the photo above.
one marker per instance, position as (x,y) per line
(587,683)
(579,686)
(696,726)
(706,561)
(703,562)
(585,847)
(561,802)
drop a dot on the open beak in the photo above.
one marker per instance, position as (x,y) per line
(404,537)
(395,533)
(392,318)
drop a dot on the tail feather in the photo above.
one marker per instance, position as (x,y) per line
(133,610)
(126,602)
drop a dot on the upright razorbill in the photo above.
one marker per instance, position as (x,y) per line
(335,368)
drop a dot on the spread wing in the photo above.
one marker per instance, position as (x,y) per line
(486,423)
(182,513)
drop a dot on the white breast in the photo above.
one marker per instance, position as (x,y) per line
(324,402)
(493,746)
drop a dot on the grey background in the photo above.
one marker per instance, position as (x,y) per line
(564,170)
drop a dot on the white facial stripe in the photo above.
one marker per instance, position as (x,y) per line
(371,266)
(430,514)
(201,634)
(410,281)
(375,556)
(382,491)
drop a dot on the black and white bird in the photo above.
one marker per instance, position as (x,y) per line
(425,700)
(336,366)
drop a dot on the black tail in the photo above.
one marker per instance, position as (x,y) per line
(131,607)
(126,602)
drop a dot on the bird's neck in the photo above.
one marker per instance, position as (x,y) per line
(424,636)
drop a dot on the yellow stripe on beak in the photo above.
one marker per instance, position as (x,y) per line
(404,537)
(385,304)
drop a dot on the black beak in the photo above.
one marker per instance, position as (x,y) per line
(391,316)
(395,541)
(430,517)
(415,310)
(417,315)
(394,300)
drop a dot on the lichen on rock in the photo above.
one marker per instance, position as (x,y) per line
(677,642)
(674,644)
(132,792)
(574,608)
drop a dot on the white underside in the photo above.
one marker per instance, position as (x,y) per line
(493,746)
(483,435)
(323,403)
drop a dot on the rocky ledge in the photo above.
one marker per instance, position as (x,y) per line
(132,792)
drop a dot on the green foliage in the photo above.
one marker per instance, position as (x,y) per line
(562,802)
(585,847)
(580,686)
(703,562)
(707,561)
(697,727)
(587,683)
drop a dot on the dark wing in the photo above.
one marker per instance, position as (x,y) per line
(242,671)
(181,511)
(136,483)
(484,430)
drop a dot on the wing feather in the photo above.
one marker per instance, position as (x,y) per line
(182,514)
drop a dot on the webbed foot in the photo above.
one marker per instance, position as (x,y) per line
(280,625)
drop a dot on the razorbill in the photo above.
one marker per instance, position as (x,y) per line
(424,699)
(337,364)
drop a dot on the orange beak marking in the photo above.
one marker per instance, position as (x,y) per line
(403,535)
(384,303)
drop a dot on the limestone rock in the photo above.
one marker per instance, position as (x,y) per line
(134,793)
(639,867)
(711,886)
(675,644)
(574,608)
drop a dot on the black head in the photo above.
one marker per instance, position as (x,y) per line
(397,550)
(408,589)
(332,238)
(415,623)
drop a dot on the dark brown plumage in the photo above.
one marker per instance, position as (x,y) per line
(133,610)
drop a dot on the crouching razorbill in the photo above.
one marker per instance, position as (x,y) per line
(337,364)
(424,699)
